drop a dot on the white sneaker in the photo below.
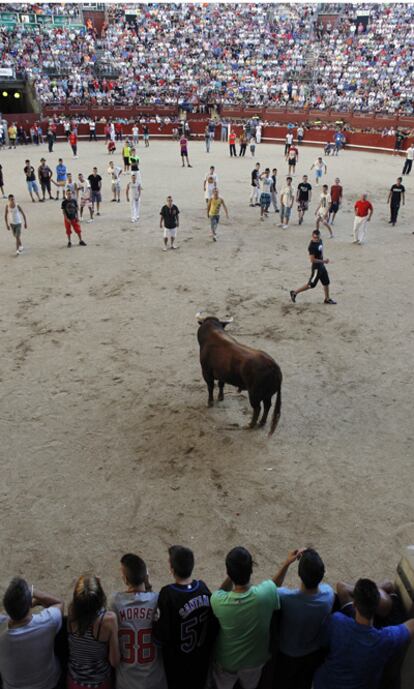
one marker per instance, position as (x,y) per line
(280,224)
(88,222)
(164,248)
(21,248)
(284,227)
(17,253)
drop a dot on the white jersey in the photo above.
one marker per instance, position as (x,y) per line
(135,188)
(115,173)
(71,186)
(266,185)
(324,203)
(289,139)
(141,662)
(319,164)
(13,216)
(84,189)
(211,181)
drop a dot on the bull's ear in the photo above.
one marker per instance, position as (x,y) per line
(226,322)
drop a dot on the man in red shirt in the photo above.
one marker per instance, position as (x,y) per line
(363,214)
(73,140)
(232,142)
(336,200)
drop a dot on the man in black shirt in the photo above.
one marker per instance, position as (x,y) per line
(255,185)
(95,181)
(29,171)
(70,217)
(303,197)
(183,625)
(45,175)
(395,196)
(170,221)
(319,272)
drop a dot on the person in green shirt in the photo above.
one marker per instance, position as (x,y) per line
(134,160)
(244,612)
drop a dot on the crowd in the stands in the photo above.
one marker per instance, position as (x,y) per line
(246,633)
(244,54)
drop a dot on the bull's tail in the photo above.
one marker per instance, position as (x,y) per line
(276,411)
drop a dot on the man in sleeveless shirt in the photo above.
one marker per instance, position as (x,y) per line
(141,662)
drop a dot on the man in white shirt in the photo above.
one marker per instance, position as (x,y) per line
(135,134)
(409,160)
(83,195)
(115,172)
(27,657)
(287,197)
(322,211)
(133,195)
(210,183)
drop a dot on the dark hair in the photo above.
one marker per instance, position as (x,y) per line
(239,565)
(135,569)
(366,597)
(311,568)
(316,232)
(17,599)
(288,178)
(88,599)
(182,561)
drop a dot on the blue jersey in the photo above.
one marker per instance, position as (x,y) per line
(61,173)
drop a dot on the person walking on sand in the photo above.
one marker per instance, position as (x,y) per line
(115,173)
(13,218)
(318,272)
(363,214)
(287,198)
(232,144)
(322,211)
(126,152)
(133,195)
(213,212)
(255,186)
(210,183)
(170,221)
(395,197)
(184,151)
(265,196)
(45,175)
(73,140)
(320,169)
(83,193)
(70,218)
(61,177)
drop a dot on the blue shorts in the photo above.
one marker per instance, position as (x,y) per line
(318,173)
(32,186)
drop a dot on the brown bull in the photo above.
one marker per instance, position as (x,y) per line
(222,358)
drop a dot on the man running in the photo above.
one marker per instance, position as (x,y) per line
(319,272)
(115,173)
(363,214)
(213,212)
(83,192)
(303,197)
(184,151)
(133,195)
(29,171)
(169,220)
(287,198)
(95,181)
(210,183)
(322,211)
(70,218)
(13,216)
(395,196)
(45,175)
(336,200)
(320,169)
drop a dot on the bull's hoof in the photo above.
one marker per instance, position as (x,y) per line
(252,427)
(220,398)
(210,403)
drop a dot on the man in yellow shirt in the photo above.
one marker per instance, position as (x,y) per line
(12,132)
(213,212)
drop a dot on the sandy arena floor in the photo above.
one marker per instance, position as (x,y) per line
(107,444)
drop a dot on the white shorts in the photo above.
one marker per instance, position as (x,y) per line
(116,186)
(170,232)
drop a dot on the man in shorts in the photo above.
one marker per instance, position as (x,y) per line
(45,175)
(126,152)
(336,200)
(319,272)
(292,159)
(95,181)
(303,197)
(70,218)
(213,212)
(320,169)
(322,211)
(288,143)
(115,172)
(265,196)
(13,218)
(30,173)
(170,221)
(184,151)
(83,195)
(210,183)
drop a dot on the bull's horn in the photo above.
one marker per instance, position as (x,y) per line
(228,320)
(199,315)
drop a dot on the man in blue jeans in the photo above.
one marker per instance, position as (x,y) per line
(357,651)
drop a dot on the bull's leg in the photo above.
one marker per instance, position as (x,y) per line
(267,403)
(256,412)
(221,391)
(210,385)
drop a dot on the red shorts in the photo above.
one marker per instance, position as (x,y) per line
(69,224)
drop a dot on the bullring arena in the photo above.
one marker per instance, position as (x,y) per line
(107,443)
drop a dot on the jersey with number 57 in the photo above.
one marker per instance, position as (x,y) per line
(141,662)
